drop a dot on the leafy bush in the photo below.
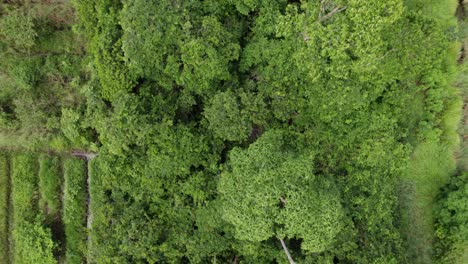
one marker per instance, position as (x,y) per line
(32,242)
(18,29)
(27,72)
(451,213)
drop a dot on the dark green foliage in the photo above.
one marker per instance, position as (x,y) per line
(75,209)
(50,184)
(4,206)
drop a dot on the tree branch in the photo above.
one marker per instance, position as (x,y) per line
(235,260)
(327,16)
(291,261)
(283,201)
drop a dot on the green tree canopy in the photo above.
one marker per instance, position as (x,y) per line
(271,190)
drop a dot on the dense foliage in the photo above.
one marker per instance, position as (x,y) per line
(42,65)
(32,241)
(233,131)
(452,221)
(261,102)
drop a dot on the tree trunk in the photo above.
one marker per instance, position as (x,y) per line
(291,261)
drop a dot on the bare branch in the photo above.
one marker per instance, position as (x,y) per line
(291,261)
(283,201)
(327,16)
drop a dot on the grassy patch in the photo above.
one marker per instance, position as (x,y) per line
(75,204)
(429,169)
(4,193)
(50,184)
(24,185)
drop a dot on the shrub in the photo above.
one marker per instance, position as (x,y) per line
(18,29)
(451,212)
(32,242)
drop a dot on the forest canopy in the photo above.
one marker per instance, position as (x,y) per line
(243,131)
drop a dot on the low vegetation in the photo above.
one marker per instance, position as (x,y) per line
(75,210)
(4,206)
(50,185)
(32,241)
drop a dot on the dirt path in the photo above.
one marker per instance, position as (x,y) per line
(463,160)
(89,220)
(88,157)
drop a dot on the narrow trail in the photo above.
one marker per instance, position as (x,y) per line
(463,160)
(89,220)
(88,157)
(10,212)
(464,136)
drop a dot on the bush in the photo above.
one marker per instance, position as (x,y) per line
(74,215)
(18,29)
(26,72)
(32,242)
(451,212)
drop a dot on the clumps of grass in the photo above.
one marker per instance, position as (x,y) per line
(24,187)
(75,205)
(50,182)
(431,165)
(4,193)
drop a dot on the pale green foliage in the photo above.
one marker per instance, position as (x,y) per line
(267,177)
(33,244)
(451,213)
(313,210)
